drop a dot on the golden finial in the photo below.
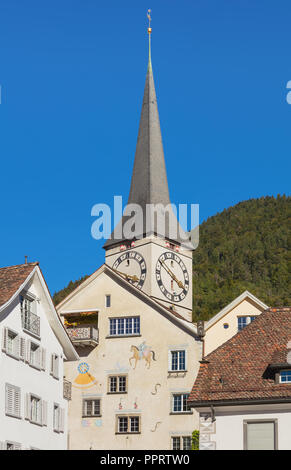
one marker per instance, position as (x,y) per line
(150,19)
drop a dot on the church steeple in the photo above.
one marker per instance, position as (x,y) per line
(149,184)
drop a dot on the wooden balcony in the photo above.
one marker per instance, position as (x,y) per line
(84,335)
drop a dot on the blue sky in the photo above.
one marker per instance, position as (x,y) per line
(72,76)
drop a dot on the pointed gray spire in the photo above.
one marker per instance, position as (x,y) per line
(149,184)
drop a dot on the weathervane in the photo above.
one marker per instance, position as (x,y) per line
(150,19)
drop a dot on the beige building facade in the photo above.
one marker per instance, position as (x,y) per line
(130,387)
(231,319)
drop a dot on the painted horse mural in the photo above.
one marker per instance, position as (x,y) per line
(142,352)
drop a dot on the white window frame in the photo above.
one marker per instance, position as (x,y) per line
(120,326)
(181,411)
(41,411)
(58,418)
(170,361)
(249,319)
(18,351)
(28,305)
(285,381)
(12,401)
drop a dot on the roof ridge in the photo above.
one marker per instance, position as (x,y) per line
(34,263)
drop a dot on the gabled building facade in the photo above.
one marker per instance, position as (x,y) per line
(137,360)
(231,319)
(243,389)
(34,345)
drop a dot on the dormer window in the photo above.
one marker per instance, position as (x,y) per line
(285,377)
(244,321)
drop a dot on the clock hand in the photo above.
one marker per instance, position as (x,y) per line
(133,278)
(180,284)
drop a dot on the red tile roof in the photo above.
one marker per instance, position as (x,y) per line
(11,278)
(239,369)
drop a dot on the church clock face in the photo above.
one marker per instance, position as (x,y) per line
(172,277)
(131,265)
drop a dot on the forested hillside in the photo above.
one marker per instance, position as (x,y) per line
(246,246)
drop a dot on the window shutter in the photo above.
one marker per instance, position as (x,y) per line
(27,406)
(52,365)
(17,401)
(39,358)
(22,348)
(4,339)
(44,413)
(28,348)
(169,360)
(43,358)
(16,346)
(62,420)
(56,366)
(8,399)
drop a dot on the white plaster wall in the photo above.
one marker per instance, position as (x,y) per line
(229,428)
(30,380)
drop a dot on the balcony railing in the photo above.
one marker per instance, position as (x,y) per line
(31,322)
(67,390)
(84,335)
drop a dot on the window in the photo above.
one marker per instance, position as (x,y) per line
(12,400)
(187,442)
(13,344)
(285,376)
(107,301)
(260,435)
(124,326)
(244,321)
(117,384)
(55,366)
(128,424)
(91,407)
(58,418)
(35,355)
(30,319)
(35,409)
(181,443)
(177,360)
(9,445)
(176,443)
(179,403)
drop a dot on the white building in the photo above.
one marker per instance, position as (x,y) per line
(34,346)
(243,388)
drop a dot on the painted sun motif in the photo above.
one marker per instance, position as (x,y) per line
(84,379)
(83,367)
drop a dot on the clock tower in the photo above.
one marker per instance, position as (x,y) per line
(158,259)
